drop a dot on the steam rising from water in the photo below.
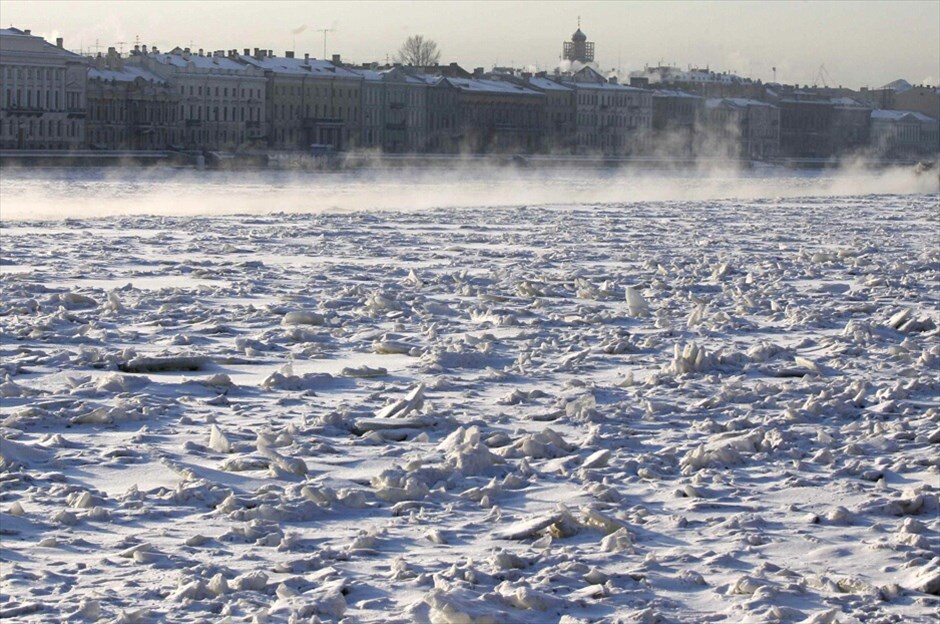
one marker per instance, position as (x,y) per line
(81,193)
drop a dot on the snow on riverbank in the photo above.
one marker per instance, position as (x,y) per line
(683,411)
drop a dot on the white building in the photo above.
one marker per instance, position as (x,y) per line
(667,74)
(899,134)
(222,101)
(43,93)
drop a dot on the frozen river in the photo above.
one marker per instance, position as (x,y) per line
(476,397)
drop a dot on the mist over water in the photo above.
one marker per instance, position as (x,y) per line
(49,194)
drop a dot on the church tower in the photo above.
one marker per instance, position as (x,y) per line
(579,48)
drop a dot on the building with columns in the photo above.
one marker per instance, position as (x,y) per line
(42,87)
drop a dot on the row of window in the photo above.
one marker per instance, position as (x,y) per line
(350,94)
(121,110)
(617,121)
(31,129)
(285,112)
(196,90)
(620,99)
(32,98)
(33,73)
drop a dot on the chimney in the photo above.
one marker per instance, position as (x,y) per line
(27,32)
(289,54)
(144,48)
(201,52)
(248,51)
(336,59)
(306,56)
(526,75)
(271,53)
(59,42)
(640,82)
(257,53)
(612,80)
(187,51)
(477,72)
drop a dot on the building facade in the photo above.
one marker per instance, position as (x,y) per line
(406,111)
(739,128)
(497,116)
(309,101)
(43,93)
(919,99)
(130,108)
(558,114)
(676,115)
(610,118)
(851,126)
(221,101)
(444,135)
(904,134)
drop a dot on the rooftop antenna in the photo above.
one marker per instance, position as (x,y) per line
(121,49)
(324,31)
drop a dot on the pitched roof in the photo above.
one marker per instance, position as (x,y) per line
(129,73)
(490,86)
(299,66)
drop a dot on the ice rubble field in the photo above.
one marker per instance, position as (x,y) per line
(689,411)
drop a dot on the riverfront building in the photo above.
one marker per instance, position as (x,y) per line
(43,93)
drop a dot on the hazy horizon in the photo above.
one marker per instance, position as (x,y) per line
(852,44)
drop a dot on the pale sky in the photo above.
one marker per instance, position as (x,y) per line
(859,43)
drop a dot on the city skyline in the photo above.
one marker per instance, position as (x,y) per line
(850,44)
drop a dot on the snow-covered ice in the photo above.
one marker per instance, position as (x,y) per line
(693,410)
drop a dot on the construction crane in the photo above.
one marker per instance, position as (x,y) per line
(324,31)
(822,75)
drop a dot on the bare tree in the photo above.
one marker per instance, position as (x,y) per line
(418,51)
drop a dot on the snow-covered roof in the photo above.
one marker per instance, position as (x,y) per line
(847,102)
(674,93)
(899,115)
(393,74)
(298,66)
(735,102)
(547,84)
(603,86)
(37,44)
(475,85)
(128,73)
(194,60)
(370,75)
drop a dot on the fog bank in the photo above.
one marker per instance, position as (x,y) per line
(81,193)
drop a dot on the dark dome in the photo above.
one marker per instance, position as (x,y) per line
(578,36)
